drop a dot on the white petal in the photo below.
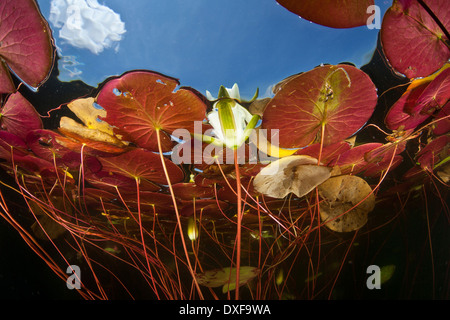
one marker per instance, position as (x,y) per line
(243,113)
(234,92)
(214,121)
(209,96)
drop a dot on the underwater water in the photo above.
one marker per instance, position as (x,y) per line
(206,44)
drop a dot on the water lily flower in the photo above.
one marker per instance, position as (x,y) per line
(231,122)
(232,93)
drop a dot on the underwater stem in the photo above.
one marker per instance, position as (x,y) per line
(177,215)
(239,220)
(429,239)
(144,247)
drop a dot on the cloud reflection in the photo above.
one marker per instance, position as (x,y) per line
(87,24)
(69,64)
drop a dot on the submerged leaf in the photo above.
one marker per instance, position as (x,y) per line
(386,273)
(434,152)
(46,228)
(142,164)
(444,172)
(327,153)
(112,182)
(370,158)
(206,208)
(226,277)
(347,202)
(442,124)
(11,144)
(189,191)
(297,174)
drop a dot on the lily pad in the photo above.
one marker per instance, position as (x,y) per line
(94,141)
(207,208)
(335,99)
(25,44)
(347,202)
(370,158)
(414,44)
(95,135)
(188,191)
(398,117)
(45,144)
(114,182)
(434,152)
(331,13)
(442,124)
(142,164)
(297,174)
(329,152)
(18,116)
(40,167)
(436,94)
(11,144)
(90,113)
(140,103)
(151,202)
(421,100)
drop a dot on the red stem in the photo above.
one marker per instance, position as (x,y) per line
(239,220)
(178,216)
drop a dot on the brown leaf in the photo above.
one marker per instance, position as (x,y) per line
(341,208)
(226,277)
(89,114)
(73,129)
(297,174)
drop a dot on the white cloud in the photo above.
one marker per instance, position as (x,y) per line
(86,24)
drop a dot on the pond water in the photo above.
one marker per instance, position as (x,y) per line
(206,44)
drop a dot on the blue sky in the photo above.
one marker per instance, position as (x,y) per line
(208,43)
